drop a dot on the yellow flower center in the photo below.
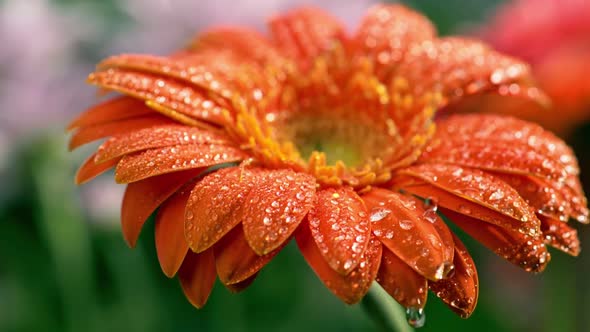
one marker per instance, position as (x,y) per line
(337,120)
(340,134)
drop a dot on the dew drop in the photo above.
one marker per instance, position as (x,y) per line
(443,270)
(378,214)
(415,316)
(430,215)
(189,215)
(406,224)
(496,195)
(347,264)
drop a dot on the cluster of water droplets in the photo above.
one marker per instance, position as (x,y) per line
(155,137)
(484,189)
(175,158)
(275,207)
(174,95)
(217,199)
(340,227)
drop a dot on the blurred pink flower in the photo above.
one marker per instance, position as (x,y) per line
(554,36)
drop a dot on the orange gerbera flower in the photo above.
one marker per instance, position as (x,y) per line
(553,36)
(245,141)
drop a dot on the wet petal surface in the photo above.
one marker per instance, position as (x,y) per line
(461,290)
(349,288)
(171,246)
(141,165)
(405,285)
(143,197)
(399,222)
(197,277)
(90,169)
(275,207)
(339,224)
(215,205)
(157,137)
(235,261)
(528,252)
(474,193)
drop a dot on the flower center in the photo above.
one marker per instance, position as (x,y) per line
(340,134)
(337,120)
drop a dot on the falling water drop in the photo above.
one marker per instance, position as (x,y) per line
(415,316)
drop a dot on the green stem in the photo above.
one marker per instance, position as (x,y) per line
(385,311)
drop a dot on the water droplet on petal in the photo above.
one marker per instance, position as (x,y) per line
(347,264)
(378,214)
(443,270)
(406,224)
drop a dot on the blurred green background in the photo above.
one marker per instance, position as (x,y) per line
(63,263)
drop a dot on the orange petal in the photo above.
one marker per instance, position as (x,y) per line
(242,285)
(401,224)
(493,155)
(572,190)
(170,243)
(90,169)
(405,285)
(220,76)
(474,193)
(243,42)
(92,133)
(349,288)
(275,207)
(236,261)
(197,277)
(507,129)
(305,33)
(463,67)
(179,97)
(340,227)
(111,110)
(156,137)
(561,236)
(141,165)
(215,205)
(387,32)
(528,252)
(540,194)
(461,289)
(143,197)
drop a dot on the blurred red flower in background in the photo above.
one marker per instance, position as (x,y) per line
(245,141)
(552,35)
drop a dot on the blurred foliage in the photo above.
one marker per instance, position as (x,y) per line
(61,271)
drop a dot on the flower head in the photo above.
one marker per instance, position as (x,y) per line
(245,141)
(553,36)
